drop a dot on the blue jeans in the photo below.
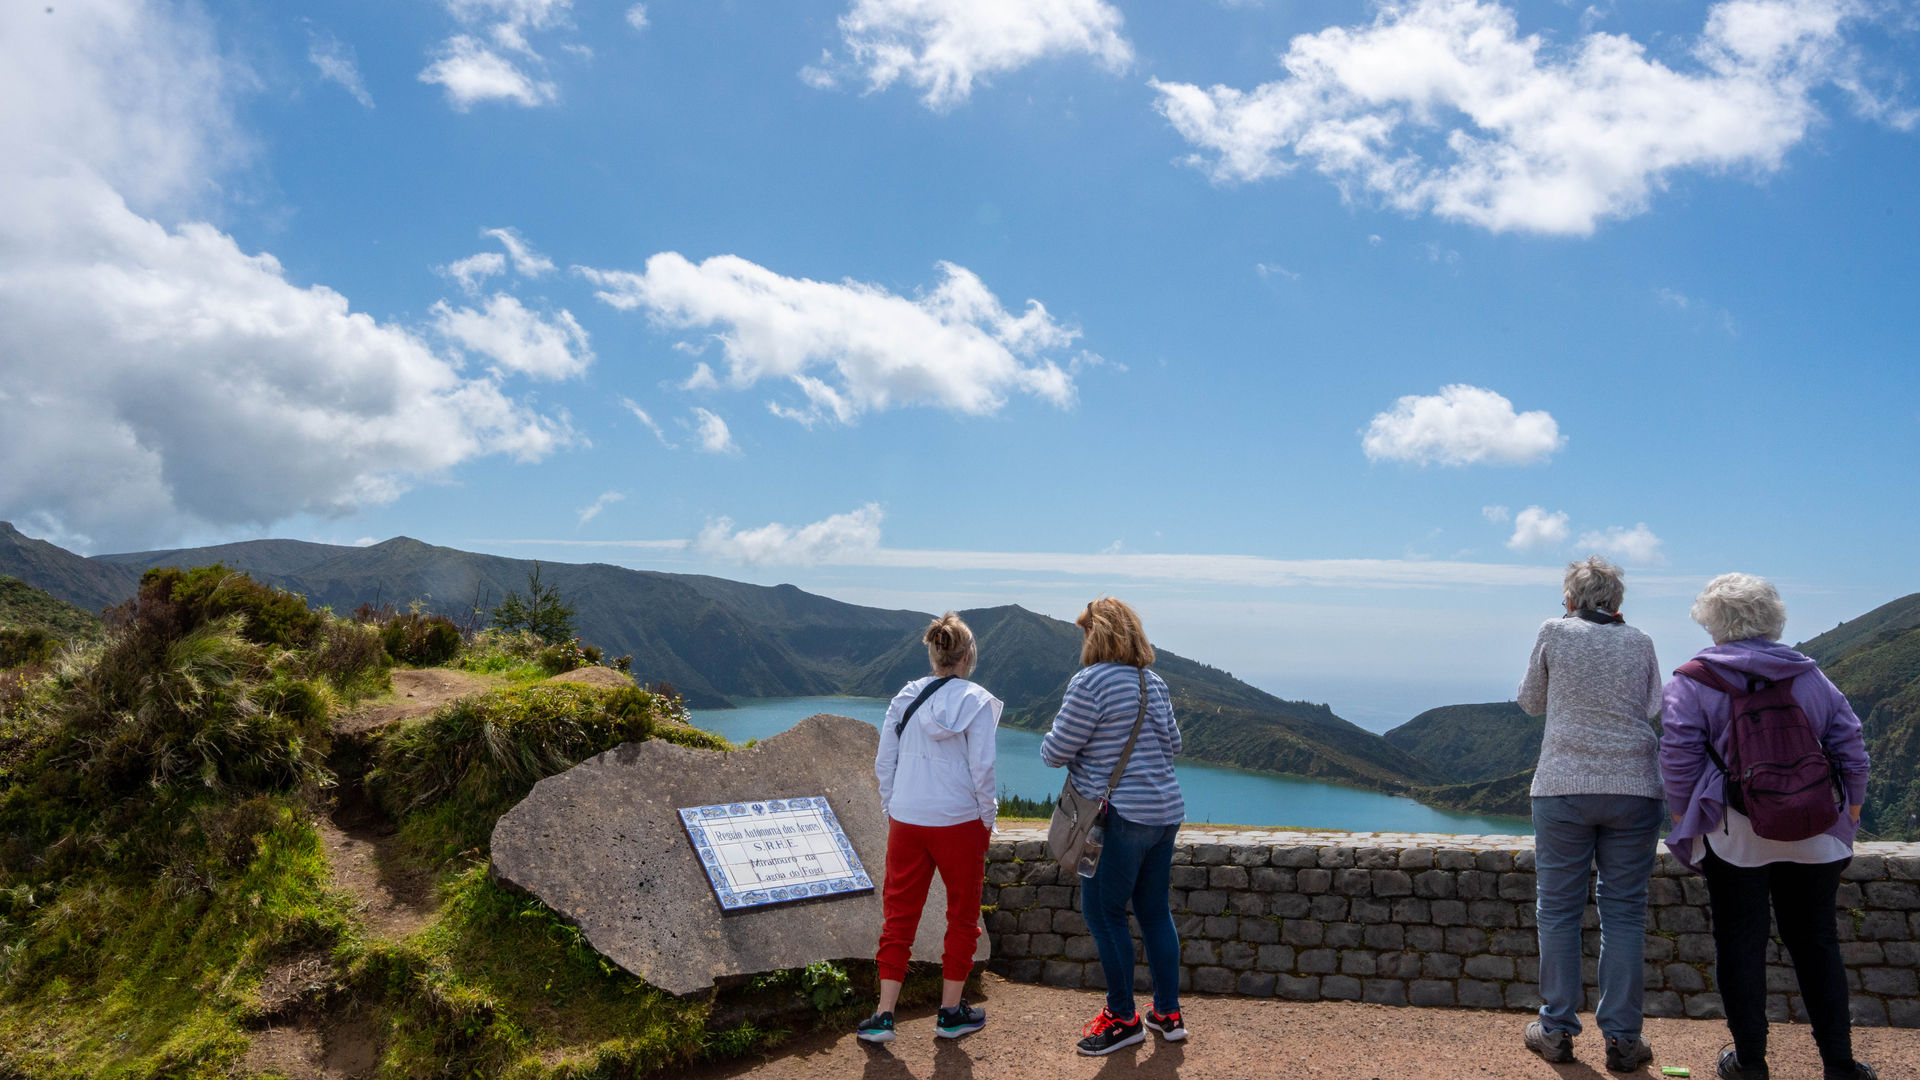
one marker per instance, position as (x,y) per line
(1135,866)
(1571,834)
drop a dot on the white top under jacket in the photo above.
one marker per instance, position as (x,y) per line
(1737,844)
(940,770)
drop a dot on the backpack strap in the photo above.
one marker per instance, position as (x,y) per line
(1699,672)
(926,693)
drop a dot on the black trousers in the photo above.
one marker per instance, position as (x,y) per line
(1802,897)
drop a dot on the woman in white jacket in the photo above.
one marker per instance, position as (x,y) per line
(935,767)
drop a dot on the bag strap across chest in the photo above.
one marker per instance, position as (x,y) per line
(1120,767)
(925,693)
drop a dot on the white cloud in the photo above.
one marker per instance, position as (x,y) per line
(1498,515)
(365,541)
(1251,571)
(637,16)
(1535,529)
(850,537)
(1443,107)
(606,499)
(940,47)
(526,261)
(955,347)
(334,59)
(1462,425)
(712,433)
(1637,545)
(472,270)
(177,382)
(1275,270)
(519,340)
(471,72)
(641,415)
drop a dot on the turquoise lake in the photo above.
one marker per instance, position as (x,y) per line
(1213,793)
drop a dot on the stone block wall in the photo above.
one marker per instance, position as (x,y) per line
(1426,921)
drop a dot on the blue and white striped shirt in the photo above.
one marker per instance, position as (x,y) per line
(1091,729)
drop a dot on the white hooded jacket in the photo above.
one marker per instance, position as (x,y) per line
(939,771)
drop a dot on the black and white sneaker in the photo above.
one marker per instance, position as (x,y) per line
(962,1019)
(877,1028)
(1169,1026)
(1106,1033)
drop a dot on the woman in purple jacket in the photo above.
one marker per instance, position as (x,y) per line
(1743,869)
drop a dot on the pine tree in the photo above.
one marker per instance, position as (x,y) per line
(542,612)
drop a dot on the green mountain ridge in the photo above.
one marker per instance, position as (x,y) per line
(716,639)
(1471,743)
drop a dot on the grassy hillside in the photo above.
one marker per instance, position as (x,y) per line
(1886,621)
(1470,743)
(23,607)
(1877,665)
(1507,795)
(174,901)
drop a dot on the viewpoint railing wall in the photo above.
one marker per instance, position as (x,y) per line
(1427,920)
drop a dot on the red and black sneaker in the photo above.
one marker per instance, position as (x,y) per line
(1169,1026)
(1106,1033)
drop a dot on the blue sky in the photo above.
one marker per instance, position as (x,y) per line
(1326,332)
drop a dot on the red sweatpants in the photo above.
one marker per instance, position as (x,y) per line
(914,852)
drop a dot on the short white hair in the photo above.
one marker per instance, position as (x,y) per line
(1594,583)
(1734,607)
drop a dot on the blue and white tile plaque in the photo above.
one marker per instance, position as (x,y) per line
(774,851)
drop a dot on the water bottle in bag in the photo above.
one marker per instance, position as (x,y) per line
(1096,836)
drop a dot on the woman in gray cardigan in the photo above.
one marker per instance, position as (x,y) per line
(1596,800)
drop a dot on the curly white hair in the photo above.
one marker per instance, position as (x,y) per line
(1734,607)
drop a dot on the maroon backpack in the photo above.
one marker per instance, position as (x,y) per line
(1777,772)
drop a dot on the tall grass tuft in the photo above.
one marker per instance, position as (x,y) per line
(495,747)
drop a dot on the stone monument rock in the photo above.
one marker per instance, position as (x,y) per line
(603,845)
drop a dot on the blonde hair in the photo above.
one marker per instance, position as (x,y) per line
(1114,635)
(1734,607)
(950,645)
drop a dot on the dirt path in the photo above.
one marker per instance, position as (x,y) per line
(416,693)
(1031,1031)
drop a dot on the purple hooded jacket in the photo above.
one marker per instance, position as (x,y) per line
(1692,713)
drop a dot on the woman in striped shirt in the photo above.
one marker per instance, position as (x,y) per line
(1144,815)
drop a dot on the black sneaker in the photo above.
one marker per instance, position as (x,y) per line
(1106,1033)
(1857,1070)
(1731,1069)
(1554,1046)
(1169,1026)
(1628,1055)
(962,1019)
(877,1028)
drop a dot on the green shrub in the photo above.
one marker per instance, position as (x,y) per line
(105,759)
(26,646)
(425,640)
(492,748)
(204,594)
